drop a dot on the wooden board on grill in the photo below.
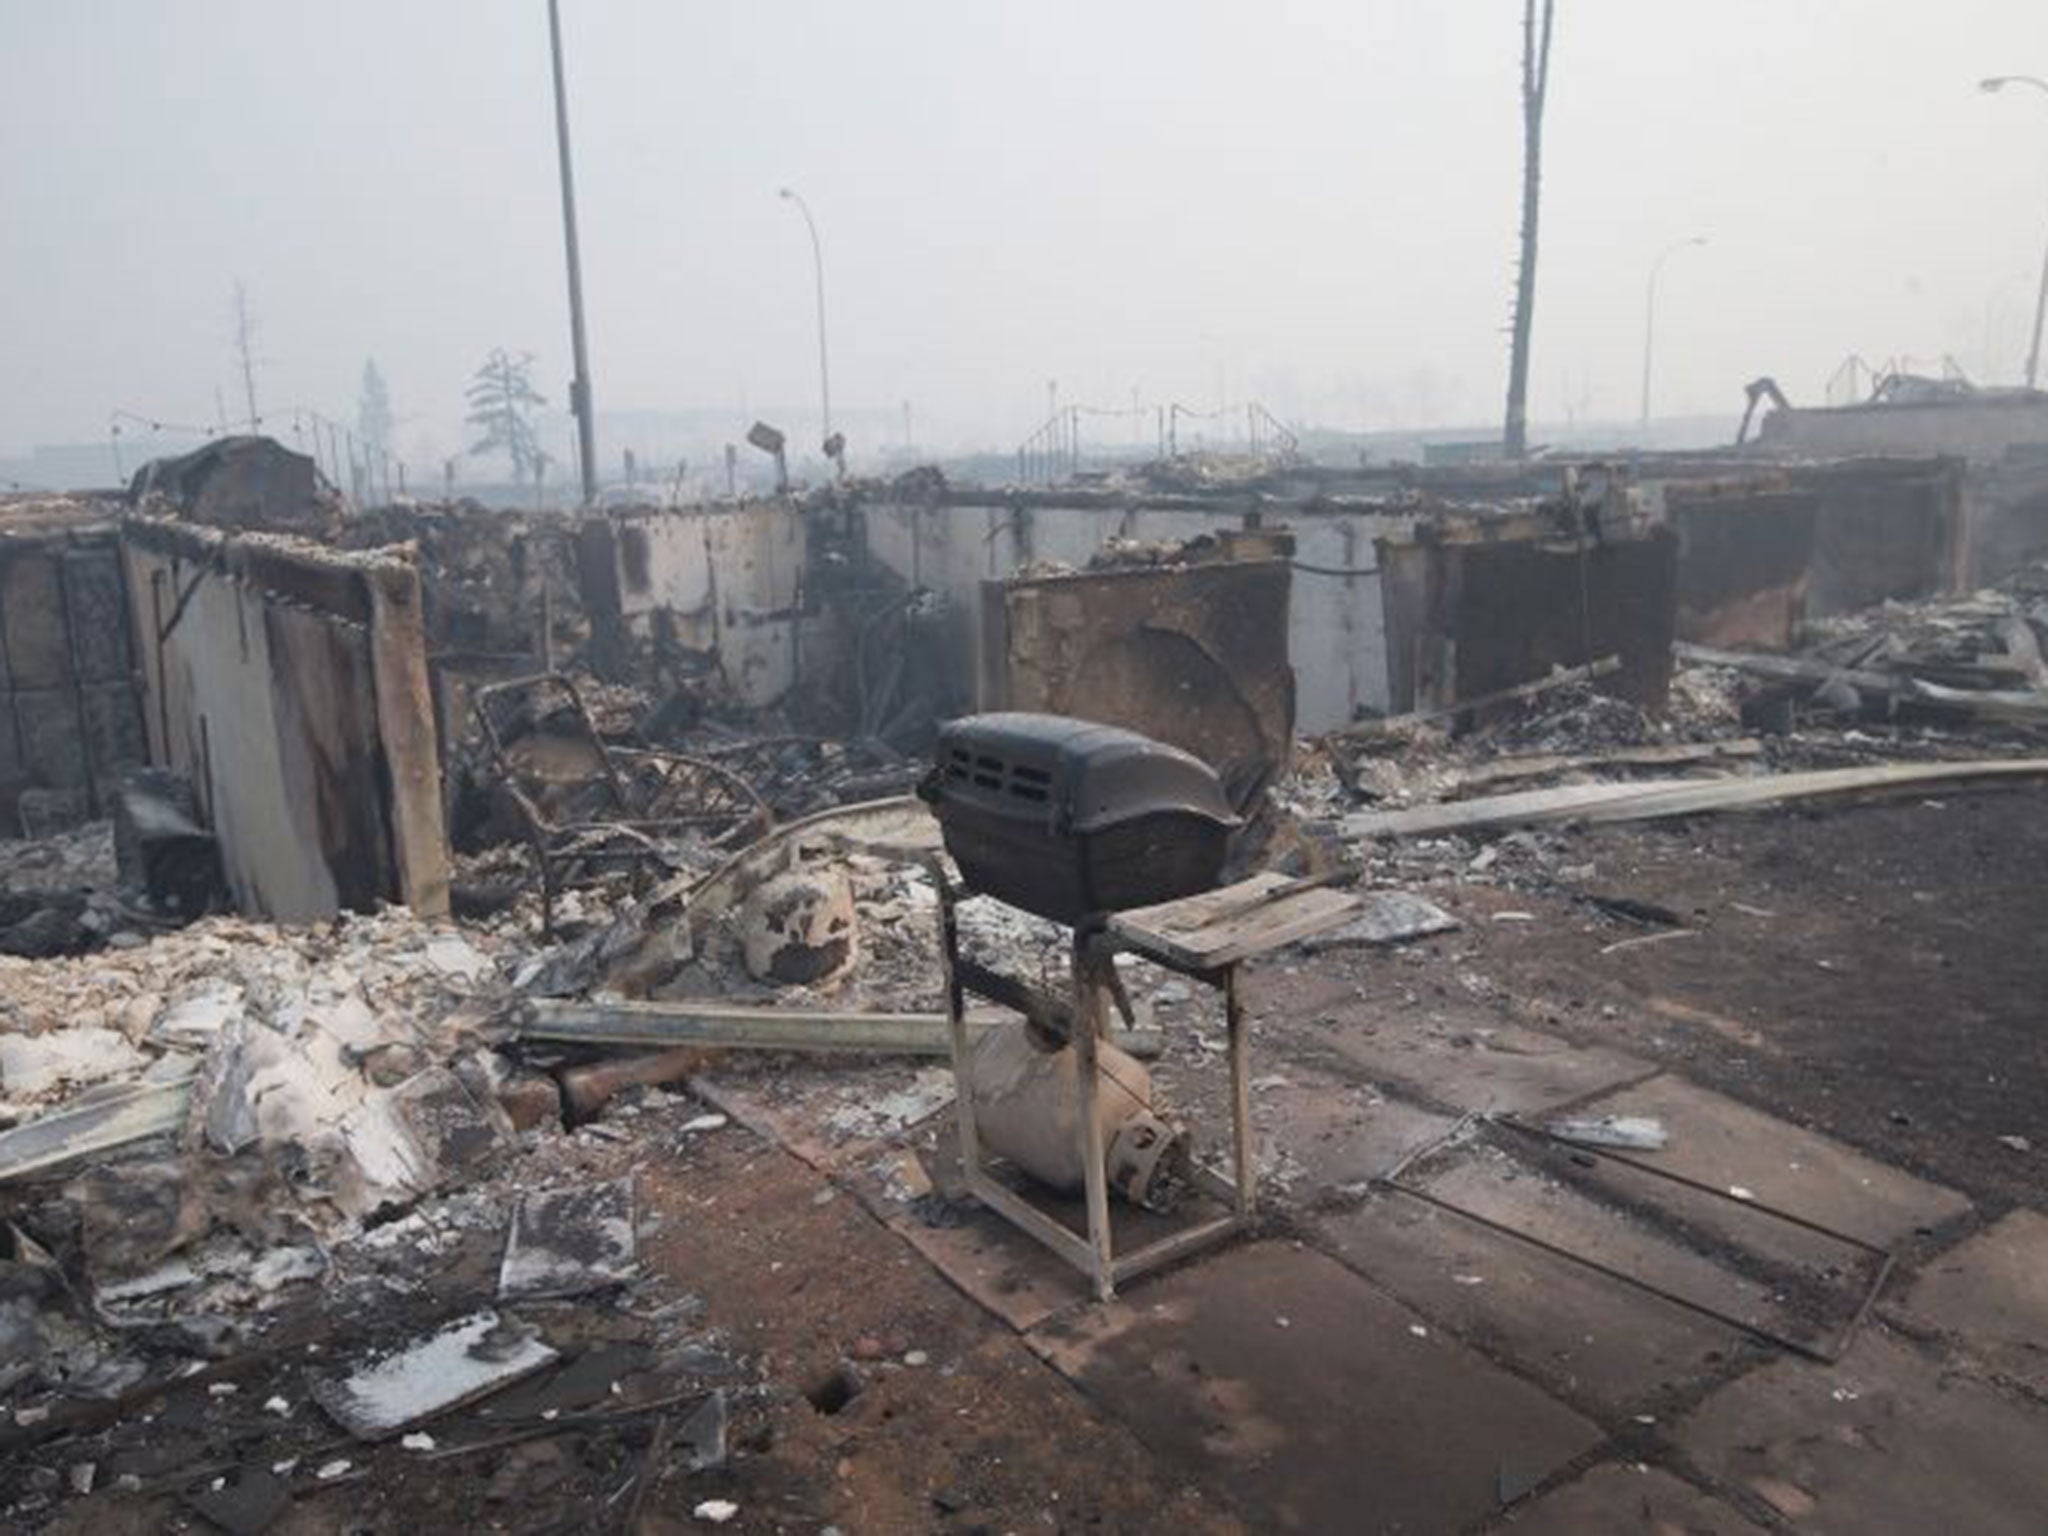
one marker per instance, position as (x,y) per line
(1236,922)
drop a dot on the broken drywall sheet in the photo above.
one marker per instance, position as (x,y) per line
(468,1359)
(34,1065)
(1388,917)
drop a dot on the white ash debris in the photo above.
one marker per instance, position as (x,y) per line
(870,1116)
(35,1067)
(80,856)
(1705,701)
(175,992)
(899,911)
(1313,790)
(329,1072)
(644,951)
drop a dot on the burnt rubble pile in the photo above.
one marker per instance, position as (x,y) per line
(111,884)
(56,893)
(270,1196)
(237,1133)
(681,853)
(1940,669)
(204,1120)
(311,1075)
(1948,680)
(192,1125)
(498,585)
(1940,678)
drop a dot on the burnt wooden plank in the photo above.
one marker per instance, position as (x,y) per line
(1237,922)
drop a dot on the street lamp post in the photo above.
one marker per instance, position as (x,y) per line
(1999,83)
(818,272)
(1650,313)
(579,386)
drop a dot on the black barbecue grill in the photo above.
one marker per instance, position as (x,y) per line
(1071,820)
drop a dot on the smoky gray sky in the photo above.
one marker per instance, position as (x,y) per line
(1312,203)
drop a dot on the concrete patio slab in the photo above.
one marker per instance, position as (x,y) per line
(1597,1343)
(1715,1253)
(1628,1500)
(999,1265)
(1319,1133)
(1883,1442)
(1495,1069)
(1991,1295)
(1728,1145)
(1315,1402)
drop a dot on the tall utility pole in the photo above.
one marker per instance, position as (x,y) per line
(1535,85)
(579,386)
(1998,83)
(1650,314)
(790,195)
(245,332)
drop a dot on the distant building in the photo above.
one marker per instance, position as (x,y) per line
(1908,413)
(1481,450)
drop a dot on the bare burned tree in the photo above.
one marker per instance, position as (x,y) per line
(245,335)
(373,410)
(501,400)
(1535,85)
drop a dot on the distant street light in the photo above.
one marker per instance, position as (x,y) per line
(1650,313)
(579,386)
(818,271)
(1994,84)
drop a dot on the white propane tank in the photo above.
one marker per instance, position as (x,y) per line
(1027,1101)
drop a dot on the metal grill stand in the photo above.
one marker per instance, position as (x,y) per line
(1206,938)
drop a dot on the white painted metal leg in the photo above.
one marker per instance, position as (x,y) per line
(1088,1023)
(1242,1158)
(956,1024)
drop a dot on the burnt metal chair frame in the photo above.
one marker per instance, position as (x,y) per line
(562,849)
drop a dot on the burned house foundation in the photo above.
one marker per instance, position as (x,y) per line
(518,1012)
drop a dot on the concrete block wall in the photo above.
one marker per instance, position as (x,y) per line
(70,713)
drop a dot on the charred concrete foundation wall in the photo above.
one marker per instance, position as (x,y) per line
(1745,553)
(712,596)
(1467,618)
(289,684)
(1886,528)
(2007,507)
(953,543)
(70,713)
(1193,655)
(501,594)
(1764,546)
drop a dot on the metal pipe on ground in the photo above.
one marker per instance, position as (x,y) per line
(705,1027)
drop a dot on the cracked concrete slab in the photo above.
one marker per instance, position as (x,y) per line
(1596,1342)
(1717,1253)
(1882,1441)
(1991,1295)
(1728,1145)
(1618,1499)
(1490,1069)
(1317,1132)
(1315,1400)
